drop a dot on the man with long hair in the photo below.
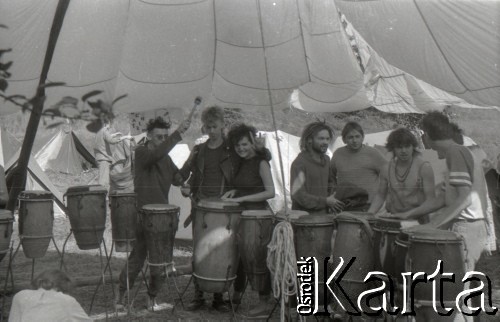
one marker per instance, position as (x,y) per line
(310,180)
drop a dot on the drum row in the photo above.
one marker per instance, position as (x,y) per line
(224,233)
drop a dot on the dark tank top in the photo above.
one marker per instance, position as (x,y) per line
(248,181)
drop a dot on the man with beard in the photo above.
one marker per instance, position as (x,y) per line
(311,186)
(355,169)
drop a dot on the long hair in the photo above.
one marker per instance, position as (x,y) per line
(352,126)
(240,131)
(53,279)
(437,126)
(310,131)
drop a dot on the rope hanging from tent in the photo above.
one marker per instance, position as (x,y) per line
(281,259)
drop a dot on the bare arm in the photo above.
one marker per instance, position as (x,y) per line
(450,212)
(380,197)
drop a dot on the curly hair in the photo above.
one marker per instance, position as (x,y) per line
(53,279)
(401,137)
(311,130)
(158,123)
(240,131)
(352,126)
(212,114)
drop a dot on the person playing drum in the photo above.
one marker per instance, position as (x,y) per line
(210,172)
(407,182)
(310,179)
(355,169)
(253,183)
(465,187)
(155,172)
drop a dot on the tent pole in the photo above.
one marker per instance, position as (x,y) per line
(19,173)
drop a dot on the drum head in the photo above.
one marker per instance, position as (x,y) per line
(429,234)
(217,204)
(83,189)
(257,214)
(313,220)
(6,215)
(160,207)
(356,216)
(292,214)
(35,194)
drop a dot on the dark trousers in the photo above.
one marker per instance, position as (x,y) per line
(136,262)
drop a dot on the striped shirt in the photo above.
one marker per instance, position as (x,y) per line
(463,171)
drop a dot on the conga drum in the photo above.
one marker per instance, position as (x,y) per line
(312,238)
(386,231)
(354,238)
(160,222)
(6,222)
(433,245)
(87,214)
(36,219)
(123,220)
(254,234)
(215,254)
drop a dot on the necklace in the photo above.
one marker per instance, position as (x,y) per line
(402,177)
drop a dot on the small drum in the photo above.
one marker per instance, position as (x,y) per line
(215,254)
(123,220)
(36,219)
(254,234)
(6,222)
(87,214)
(312,238)
(354,238)
(160,222)
(385,232)
(434,245)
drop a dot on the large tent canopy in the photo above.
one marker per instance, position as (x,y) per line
(251,53)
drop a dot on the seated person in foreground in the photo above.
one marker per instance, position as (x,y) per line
(47,301)
(407,181)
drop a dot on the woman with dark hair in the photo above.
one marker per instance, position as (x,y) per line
(407,182)
(253,181)
(47,301)
(253,186)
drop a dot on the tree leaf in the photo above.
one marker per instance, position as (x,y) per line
(3,85)
(119,98)
(5,66)
(90,94)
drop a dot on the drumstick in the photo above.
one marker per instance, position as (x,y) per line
(189,218)
(197,101)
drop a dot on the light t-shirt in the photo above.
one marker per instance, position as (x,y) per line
(464,172)
(356,171)
(46,306)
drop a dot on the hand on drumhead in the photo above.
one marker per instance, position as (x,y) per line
(336,204)
(228,195)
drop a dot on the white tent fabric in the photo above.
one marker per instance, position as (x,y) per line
(389,89)
(61,154)
(450,44)
(38,180)
(164,53)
